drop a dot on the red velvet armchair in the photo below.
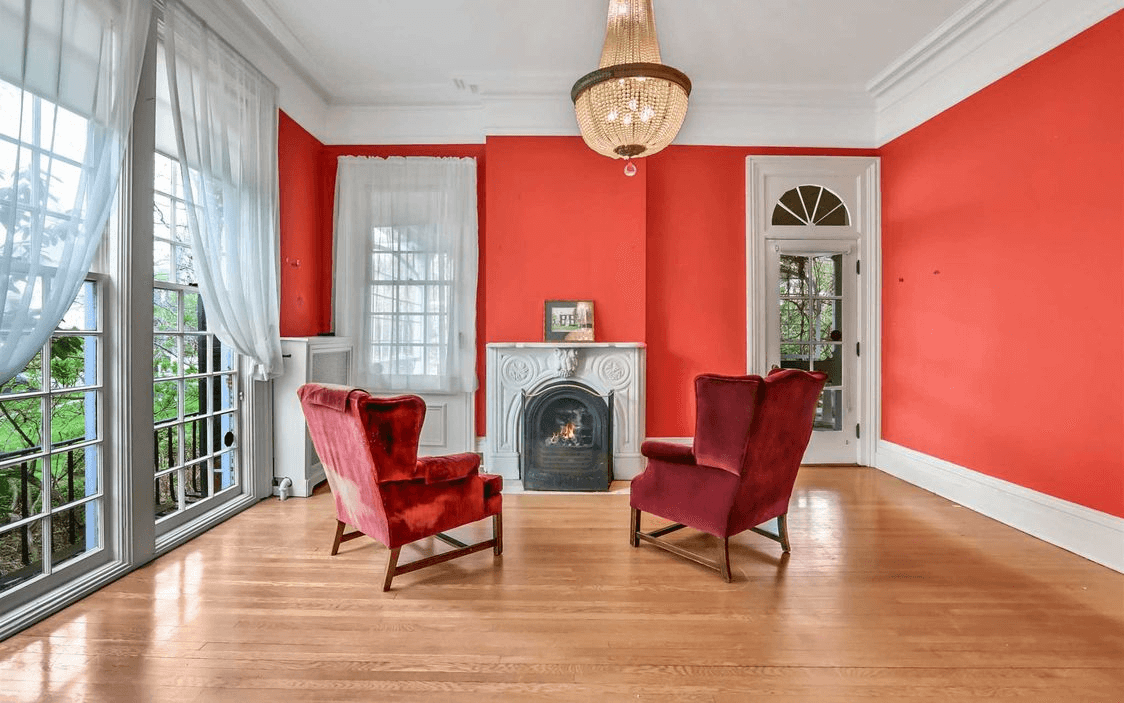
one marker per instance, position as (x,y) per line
(369,448)
(750,435)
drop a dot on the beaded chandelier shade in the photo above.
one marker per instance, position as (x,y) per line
(632,105)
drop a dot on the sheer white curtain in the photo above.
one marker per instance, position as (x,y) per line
(406,268)
(225,114)
(69,71)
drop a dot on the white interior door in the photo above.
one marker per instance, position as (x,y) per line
(811,325)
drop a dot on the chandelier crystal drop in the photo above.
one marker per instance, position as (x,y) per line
(632,105)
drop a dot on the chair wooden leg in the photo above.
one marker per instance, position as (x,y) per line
(497,533)
(391,565)
(339,537)
(782,529)
(726,560)
(634,529)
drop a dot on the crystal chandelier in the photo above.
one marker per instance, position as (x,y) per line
(632,105)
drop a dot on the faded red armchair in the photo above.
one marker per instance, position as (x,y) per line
(750,435)
(369,448)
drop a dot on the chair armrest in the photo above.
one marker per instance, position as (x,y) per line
(438,469)
(669,451)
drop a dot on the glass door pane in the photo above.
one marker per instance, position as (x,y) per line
(810,300)
(812,327)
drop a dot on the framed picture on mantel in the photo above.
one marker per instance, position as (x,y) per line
(568,321)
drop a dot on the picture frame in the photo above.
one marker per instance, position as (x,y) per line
(568,321)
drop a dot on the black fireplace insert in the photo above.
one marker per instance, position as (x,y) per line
(567,439)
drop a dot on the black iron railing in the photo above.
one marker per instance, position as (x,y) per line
(68,530)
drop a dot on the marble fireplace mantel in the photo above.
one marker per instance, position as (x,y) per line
(513,367)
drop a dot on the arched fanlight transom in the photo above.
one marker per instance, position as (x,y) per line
(811,205)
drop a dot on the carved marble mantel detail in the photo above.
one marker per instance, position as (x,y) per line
(515,367)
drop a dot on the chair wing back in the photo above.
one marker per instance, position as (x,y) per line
(782,426)
(362,441)
(724,409)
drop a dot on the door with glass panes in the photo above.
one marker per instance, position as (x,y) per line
(811,326)
(808,223)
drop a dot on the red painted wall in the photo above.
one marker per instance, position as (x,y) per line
(1003,287)
(563,223)
(696,314)
(696,278)
(662,254)
(301,230)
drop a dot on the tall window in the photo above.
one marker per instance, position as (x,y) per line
(406,236)
(75,481)
(409,296)
(195,377)
(51,445)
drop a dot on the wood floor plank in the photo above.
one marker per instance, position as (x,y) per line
(890,593)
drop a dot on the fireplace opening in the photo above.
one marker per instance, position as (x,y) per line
(567,439)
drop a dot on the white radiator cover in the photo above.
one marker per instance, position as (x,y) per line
(513,367)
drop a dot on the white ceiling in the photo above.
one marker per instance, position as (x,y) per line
(845,73)
(366,52)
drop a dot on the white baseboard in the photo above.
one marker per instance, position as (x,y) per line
(1089,533)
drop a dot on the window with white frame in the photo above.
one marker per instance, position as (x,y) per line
(74,475)
(406,235)
(51,438)
(410,286)
(195,377)
(51,450)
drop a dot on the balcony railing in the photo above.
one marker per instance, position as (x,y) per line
(22,560)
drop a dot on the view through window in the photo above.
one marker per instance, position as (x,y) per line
(811,319)
(51,499)
(51,438)
(195,376)
(410,294)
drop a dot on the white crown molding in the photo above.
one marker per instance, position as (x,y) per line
(289,46)
(404,124)
(980,44)
(718,116)
(1086,532)
(300,95)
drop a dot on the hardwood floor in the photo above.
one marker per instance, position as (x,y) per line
(890,593)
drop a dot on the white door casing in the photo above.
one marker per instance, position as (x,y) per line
(855,180)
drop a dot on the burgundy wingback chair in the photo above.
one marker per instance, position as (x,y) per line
(750,435)
(369,448)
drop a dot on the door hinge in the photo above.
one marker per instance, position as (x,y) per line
(858,267)
(858,434)
(857,349)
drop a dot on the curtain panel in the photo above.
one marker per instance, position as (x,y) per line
(69,72)
(225,115)
(406,271)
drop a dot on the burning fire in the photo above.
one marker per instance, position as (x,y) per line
(565,434)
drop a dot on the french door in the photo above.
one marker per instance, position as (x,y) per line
(811,326)
(812,270)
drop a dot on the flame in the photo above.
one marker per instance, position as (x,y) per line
(566,434)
